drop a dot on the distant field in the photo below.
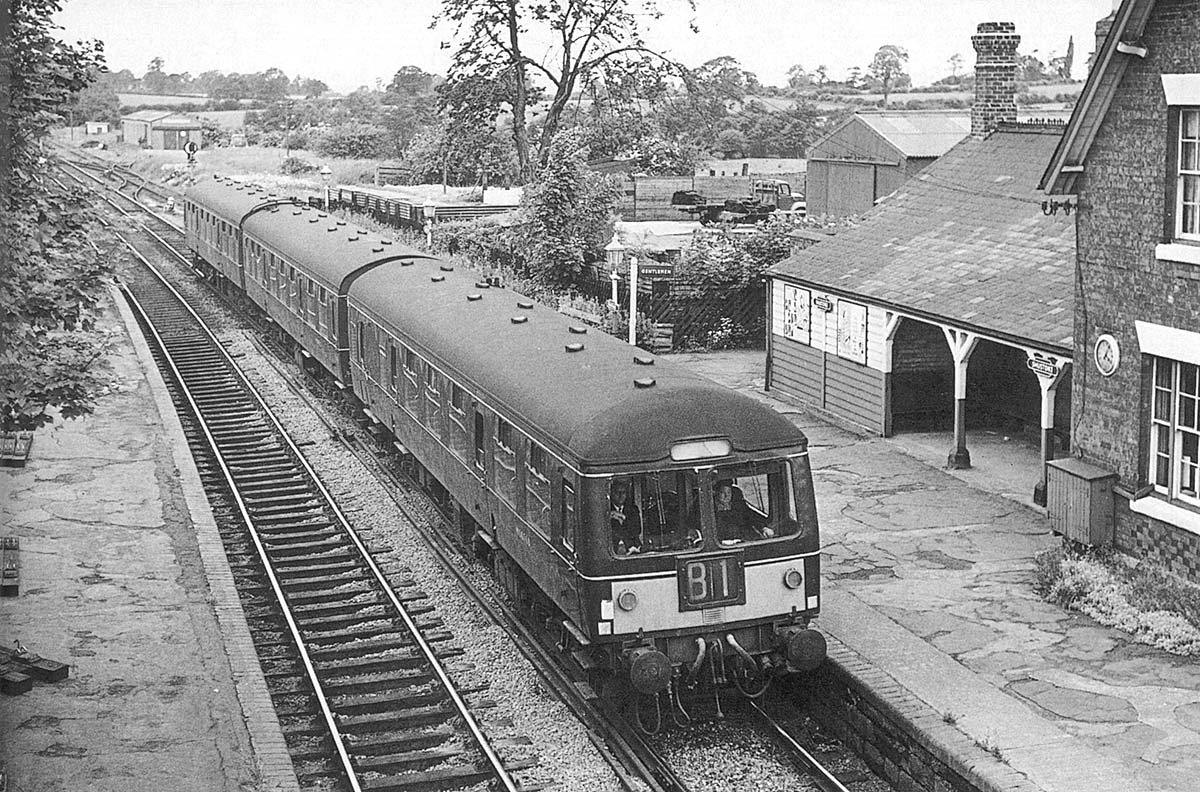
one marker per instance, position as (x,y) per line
(141,100)
(226,119)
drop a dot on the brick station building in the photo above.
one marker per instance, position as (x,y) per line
(1130,161)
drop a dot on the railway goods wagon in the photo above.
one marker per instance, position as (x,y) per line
(668,521)
(299,265)
(213,212)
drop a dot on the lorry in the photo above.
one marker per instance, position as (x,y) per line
(766,197)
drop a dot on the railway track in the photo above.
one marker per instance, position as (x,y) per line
(357,662)
(317,561)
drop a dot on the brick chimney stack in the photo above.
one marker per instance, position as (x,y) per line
(995,76)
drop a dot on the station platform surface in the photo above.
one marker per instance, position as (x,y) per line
(928,578)
(124,579)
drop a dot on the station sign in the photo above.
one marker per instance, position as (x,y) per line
(823,304)
(1047,368)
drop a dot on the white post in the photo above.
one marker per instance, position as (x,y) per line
(633,280)
(614,278)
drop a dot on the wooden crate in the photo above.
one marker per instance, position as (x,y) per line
(1079,497)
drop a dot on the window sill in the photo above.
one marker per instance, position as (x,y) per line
(1167,512)
(1178,252)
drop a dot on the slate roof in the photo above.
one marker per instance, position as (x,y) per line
(964,242)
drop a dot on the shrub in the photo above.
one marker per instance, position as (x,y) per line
(293,166)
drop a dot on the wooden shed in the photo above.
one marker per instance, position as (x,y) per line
(160,129)
(870,154)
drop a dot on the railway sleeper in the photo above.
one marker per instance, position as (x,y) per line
(316,634)
(337,592)
(297,532)
(398,697)
(298,581)
(233,440)
(267,496)
(343,557)
(336,607)
(313,623)
(442,778)
(397,721)
(278,485)
(316,547)
(391,648)
(332,614)
(400,658)
(376,744)
(343,684)
(269,471)
(289,513)
(420,759)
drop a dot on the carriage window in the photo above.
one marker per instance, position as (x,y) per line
(392,368)
(360,342)
(506,460)
(537,487)
(754,502)
(654,512)
(412,363)
(460,438)
(431,380)
(458,399)
(569,522)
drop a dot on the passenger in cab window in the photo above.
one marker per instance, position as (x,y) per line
(736,521)
(625,517)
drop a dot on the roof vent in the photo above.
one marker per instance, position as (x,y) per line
(296,213)
(313,220)
(331,228)
(407,262)
(377,249)
(577,329)
(643,383)
(520,319)
(351,239)
(322,214)
(482,285)
(437,278)
(447,268)
(474,296)
(574,347)
(524,304)
(386,241)
(643,360)
(341,222)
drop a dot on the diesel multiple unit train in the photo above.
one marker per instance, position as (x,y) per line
(665,524)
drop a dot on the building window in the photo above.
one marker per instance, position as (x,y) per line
(1175,430)
(1188,191)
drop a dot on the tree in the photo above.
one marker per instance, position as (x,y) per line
(888,67)
(569,212)
(53,268)
(352,140)
(956,61)
(798,78)
(96,102)
(822,74)
(732,143)
(585,36)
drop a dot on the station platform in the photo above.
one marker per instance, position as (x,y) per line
(928,586)
(123,578)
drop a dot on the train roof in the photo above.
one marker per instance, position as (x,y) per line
(606,403)
(328,246)
(231,200)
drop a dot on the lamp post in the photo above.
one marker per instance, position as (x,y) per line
(614,252)
(633,279)
(429,212)
(325,172)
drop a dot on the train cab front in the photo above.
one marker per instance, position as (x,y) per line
(709,573)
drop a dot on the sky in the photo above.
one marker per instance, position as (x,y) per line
(351,43)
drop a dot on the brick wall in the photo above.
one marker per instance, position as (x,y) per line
(1122,216)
